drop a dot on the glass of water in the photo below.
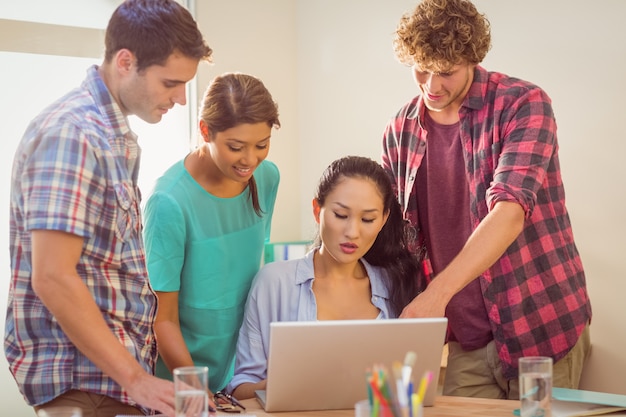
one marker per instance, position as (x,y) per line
(191,390)
(535,386)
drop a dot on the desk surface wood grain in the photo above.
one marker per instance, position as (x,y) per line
(444,407)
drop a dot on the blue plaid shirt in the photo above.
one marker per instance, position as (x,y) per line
(75,170)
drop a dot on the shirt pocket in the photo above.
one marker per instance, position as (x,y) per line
(127,218)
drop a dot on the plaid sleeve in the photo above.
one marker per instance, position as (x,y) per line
(61,183)
(527,145)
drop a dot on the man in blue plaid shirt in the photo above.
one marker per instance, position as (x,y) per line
(79,326)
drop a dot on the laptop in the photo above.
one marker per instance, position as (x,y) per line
(321,365)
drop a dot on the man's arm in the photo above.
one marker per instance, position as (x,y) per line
(57,284)
(483,248)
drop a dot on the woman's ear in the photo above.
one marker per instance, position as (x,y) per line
(316,210)
(204,130)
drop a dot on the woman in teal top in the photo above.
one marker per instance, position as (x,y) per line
(206,223)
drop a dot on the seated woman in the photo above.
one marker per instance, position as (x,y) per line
(360,267)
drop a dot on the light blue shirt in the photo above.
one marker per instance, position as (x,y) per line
(283,291)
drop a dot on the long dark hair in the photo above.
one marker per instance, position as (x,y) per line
(391,247)
(232,99)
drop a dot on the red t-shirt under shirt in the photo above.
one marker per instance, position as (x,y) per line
(443,206)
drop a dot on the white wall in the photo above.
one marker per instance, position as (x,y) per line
(259,38)
(349,84)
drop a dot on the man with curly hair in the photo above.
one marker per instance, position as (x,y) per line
(474,158)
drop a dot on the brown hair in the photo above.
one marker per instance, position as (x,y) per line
(439,34)
(232,99)
(152,30)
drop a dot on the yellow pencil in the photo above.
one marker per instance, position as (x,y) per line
(415,405)
(428,376)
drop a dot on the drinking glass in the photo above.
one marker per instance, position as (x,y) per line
(535,386)
(191,390)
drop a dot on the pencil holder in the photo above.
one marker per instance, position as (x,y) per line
(363,408)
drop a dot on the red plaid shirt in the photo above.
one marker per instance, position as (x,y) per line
(535,294)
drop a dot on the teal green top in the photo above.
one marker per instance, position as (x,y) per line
(208,249)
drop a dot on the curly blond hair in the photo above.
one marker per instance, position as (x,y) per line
(439,34)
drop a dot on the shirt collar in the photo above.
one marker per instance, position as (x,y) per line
(306,273)
(107,105)
(475,98)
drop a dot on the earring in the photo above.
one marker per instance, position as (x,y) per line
(204,130)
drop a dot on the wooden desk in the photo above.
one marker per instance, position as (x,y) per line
(444,407)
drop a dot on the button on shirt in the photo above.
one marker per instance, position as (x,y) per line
(76,171)
(535,294)
(283,291)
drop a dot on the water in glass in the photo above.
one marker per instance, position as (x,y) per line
(535,394)
(192,403)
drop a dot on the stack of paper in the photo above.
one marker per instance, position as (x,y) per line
(579,403)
